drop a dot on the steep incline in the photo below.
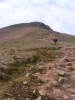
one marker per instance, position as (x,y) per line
(20,30)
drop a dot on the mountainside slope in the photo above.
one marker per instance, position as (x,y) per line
(17,39)
(28,57)
(20,30)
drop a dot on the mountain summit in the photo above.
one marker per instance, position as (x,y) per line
(32,24)
(36,28)
(19,30)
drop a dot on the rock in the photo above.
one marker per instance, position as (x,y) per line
(36,74)
(55,83)
(41,63)
(61,73)
(25,82)
(36,93)
(12,99)
(66,86)
(28,74)
(39,98)
(61,65)
(42,92)
(61,80)
(66,97)
(69,64)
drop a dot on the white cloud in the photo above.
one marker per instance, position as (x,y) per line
(59,14)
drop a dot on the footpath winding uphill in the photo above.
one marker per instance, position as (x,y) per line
(59,79)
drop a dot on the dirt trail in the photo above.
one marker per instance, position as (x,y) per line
(59,79)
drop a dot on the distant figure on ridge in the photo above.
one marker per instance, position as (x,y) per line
(55,40)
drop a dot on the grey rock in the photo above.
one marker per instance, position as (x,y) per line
(62,73)
(61,80)
(66,85)
(28,74)
(27,98)
(69,64)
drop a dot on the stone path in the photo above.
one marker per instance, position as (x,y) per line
(59,79)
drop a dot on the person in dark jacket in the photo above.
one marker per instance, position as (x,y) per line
(55,40)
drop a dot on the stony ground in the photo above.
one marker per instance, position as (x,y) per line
(60,76)
(56,82)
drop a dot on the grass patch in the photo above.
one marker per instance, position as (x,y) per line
(44,54)
(44,48)
(22,79)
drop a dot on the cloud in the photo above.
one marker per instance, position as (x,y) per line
(58,14)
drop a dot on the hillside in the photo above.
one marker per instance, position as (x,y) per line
(20,30)
(32,67)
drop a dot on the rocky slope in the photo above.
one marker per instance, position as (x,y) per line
(19,30)
(32,68)
(51,79)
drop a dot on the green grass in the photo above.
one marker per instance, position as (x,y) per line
(22,79)
(43,54)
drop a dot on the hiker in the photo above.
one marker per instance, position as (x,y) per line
(55,40)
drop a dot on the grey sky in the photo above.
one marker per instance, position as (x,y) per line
(58,14)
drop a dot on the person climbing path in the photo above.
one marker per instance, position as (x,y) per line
(55,40)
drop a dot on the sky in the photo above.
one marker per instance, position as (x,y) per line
(58,14)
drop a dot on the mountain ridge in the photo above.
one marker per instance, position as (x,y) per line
(20,30)
(31,24)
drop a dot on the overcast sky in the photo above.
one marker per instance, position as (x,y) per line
(58,14)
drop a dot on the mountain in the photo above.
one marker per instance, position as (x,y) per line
(16,39)
(32,67)
(21,30)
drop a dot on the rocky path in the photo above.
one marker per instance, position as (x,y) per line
(59,79)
